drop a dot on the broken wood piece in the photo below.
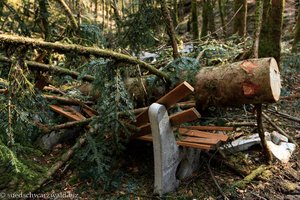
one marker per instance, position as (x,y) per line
(68,112)
(201,134)
(172,97)
(252,81)
(148,137)
(210,128)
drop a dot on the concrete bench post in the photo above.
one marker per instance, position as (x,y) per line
(167,155)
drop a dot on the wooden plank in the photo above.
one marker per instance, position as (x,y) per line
(172,97)
(68,112)
(195,145)
(181,143)
(209,141)
(211,128)
(202,134)
(184,116)
(176,119)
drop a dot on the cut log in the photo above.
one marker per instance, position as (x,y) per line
(248,82)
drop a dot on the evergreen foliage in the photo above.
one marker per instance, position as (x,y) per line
(109,131)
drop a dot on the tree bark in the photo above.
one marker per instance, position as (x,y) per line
(80,50)
(248,82)
(170,28)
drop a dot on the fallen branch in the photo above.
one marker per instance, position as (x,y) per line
(63,159)
(65,100)
(239,124)
(80,50)
(54,69)
(291,97)
(242,183)
(284,115)
(278,128)
(215,181)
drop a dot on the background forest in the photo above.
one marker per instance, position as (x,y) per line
(114,57)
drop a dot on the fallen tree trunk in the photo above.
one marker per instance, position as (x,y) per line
(248,82)
(80,50)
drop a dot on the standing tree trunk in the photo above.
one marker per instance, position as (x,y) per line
(240,22)
(258,23)
(175,13)
(211,17)
(221,10)
(270,36)
(297,34)
(96,10)
(204,28)
(170,28)
(195,28)
(43,17)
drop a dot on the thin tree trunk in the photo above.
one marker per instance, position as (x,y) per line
(175,13)
(297,34)
(204,28)
(96,10)
(43,16)
(211,17)
(195,28)
(69,14)
(258,24)
(240,22)
(221,10)
(170,28)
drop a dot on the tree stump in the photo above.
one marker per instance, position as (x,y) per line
(252,81)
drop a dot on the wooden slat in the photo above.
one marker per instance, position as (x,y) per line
(195,145)
(181,143)
(202,134)
(176,119)
(68,112)
(209,141)
(211,128)
(175,95)
(184,116)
